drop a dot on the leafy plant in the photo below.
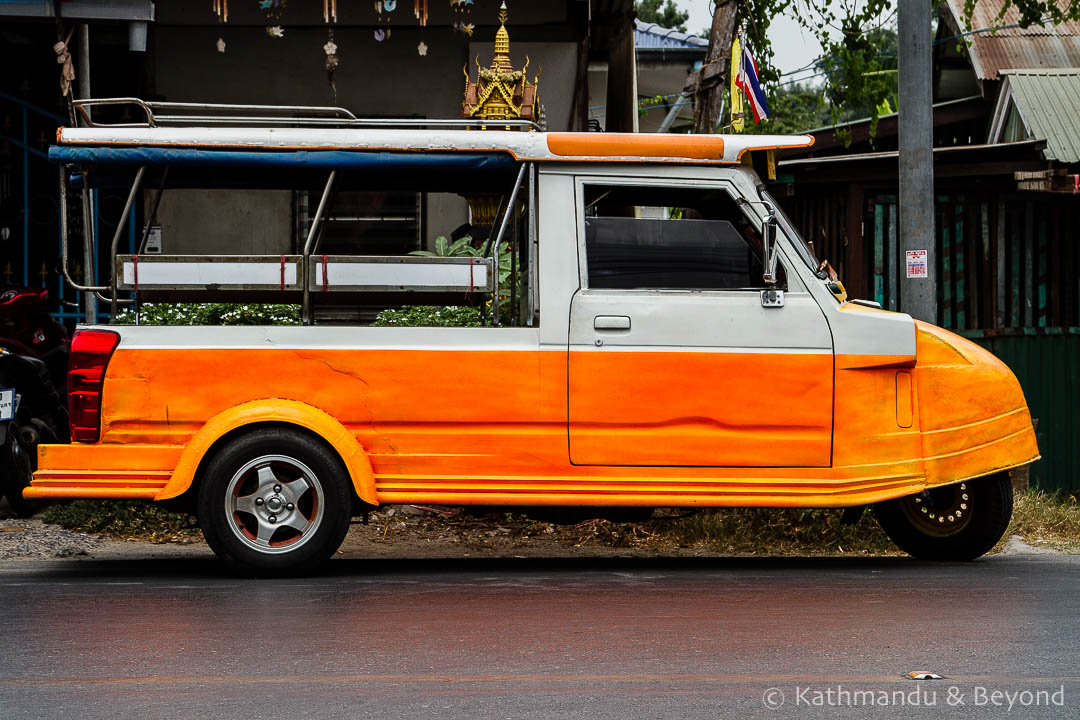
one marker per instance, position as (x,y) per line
(211,314)
(429,316)
(463,247)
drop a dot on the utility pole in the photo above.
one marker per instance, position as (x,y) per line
(710,82)
(89,264)
(917,261)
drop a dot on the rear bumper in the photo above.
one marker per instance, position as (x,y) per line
(135,472)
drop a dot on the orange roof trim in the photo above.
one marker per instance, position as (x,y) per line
(692,147)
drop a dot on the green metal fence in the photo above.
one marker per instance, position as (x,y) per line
(1008,279)
(1047,363)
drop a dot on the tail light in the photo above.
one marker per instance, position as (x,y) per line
(90,353)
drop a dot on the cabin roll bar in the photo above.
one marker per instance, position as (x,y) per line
(64,241)
(135,186)
(306,316)
(498,241)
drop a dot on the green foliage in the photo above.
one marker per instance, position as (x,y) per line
(666,15)
(429,316)
(861,68)
(755,17)
(123,518)
(859,58)
(795,109)
(659,102)
(463,247)
(211,314)
(1031,12)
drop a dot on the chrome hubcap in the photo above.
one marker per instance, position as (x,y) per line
(274,504)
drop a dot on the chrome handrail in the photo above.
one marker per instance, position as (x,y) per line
(160,113)
(498,240)
(307,317)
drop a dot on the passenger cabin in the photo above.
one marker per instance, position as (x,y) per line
(342,215)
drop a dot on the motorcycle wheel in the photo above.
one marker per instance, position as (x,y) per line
(16,471)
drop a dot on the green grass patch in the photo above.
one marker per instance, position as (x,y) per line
(125,519)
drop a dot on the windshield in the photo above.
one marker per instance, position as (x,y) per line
(801,247)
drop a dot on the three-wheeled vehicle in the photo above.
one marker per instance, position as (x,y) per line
(653,332)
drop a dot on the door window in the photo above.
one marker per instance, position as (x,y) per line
(670,238)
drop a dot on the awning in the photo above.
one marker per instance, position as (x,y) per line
(300,159)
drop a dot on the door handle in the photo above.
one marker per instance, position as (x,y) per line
(611,322)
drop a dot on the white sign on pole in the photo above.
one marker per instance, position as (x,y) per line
(916,263)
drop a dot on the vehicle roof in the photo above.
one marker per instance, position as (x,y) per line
(521,145)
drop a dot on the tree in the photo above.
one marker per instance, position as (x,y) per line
(669,16)
(858,44)
(862,77)
(795,109)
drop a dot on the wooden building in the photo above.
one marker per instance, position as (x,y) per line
(1007,186)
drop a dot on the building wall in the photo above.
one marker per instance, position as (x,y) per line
(234,222)
(387,79)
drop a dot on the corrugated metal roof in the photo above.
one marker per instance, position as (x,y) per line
(1011,46)
(651,35)
(1049,104)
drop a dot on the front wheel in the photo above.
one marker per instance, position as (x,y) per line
(953,522)
(275,501)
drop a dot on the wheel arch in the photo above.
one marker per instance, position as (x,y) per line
(271,412)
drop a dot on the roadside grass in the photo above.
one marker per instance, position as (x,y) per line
(1048,520)
(749,531)
(124,519)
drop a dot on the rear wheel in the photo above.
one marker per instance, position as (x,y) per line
(954,522)
(275,501)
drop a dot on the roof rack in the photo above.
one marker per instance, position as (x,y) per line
(178,114)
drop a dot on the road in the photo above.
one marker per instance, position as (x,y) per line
(515,638)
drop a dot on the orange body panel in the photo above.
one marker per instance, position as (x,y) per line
(697,408)
(491,426)
(700,147)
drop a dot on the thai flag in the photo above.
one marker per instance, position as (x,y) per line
(748,81)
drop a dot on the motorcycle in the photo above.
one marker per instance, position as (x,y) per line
(33,379)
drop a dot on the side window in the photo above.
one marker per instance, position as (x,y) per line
(670,238)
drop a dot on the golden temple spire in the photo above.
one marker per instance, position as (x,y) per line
(500,92)
(502,43)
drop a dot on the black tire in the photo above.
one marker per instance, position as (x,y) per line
(275,502)
(17,465)
(954,522)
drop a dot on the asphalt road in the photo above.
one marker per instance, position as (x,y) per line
(609,638)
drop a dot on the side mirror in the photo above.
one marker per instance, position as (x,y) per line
(769,249)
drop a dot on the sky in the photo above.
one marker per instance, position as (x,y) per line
(794,47)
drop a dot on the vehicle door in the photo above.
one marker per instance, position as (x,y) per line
(673,360)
